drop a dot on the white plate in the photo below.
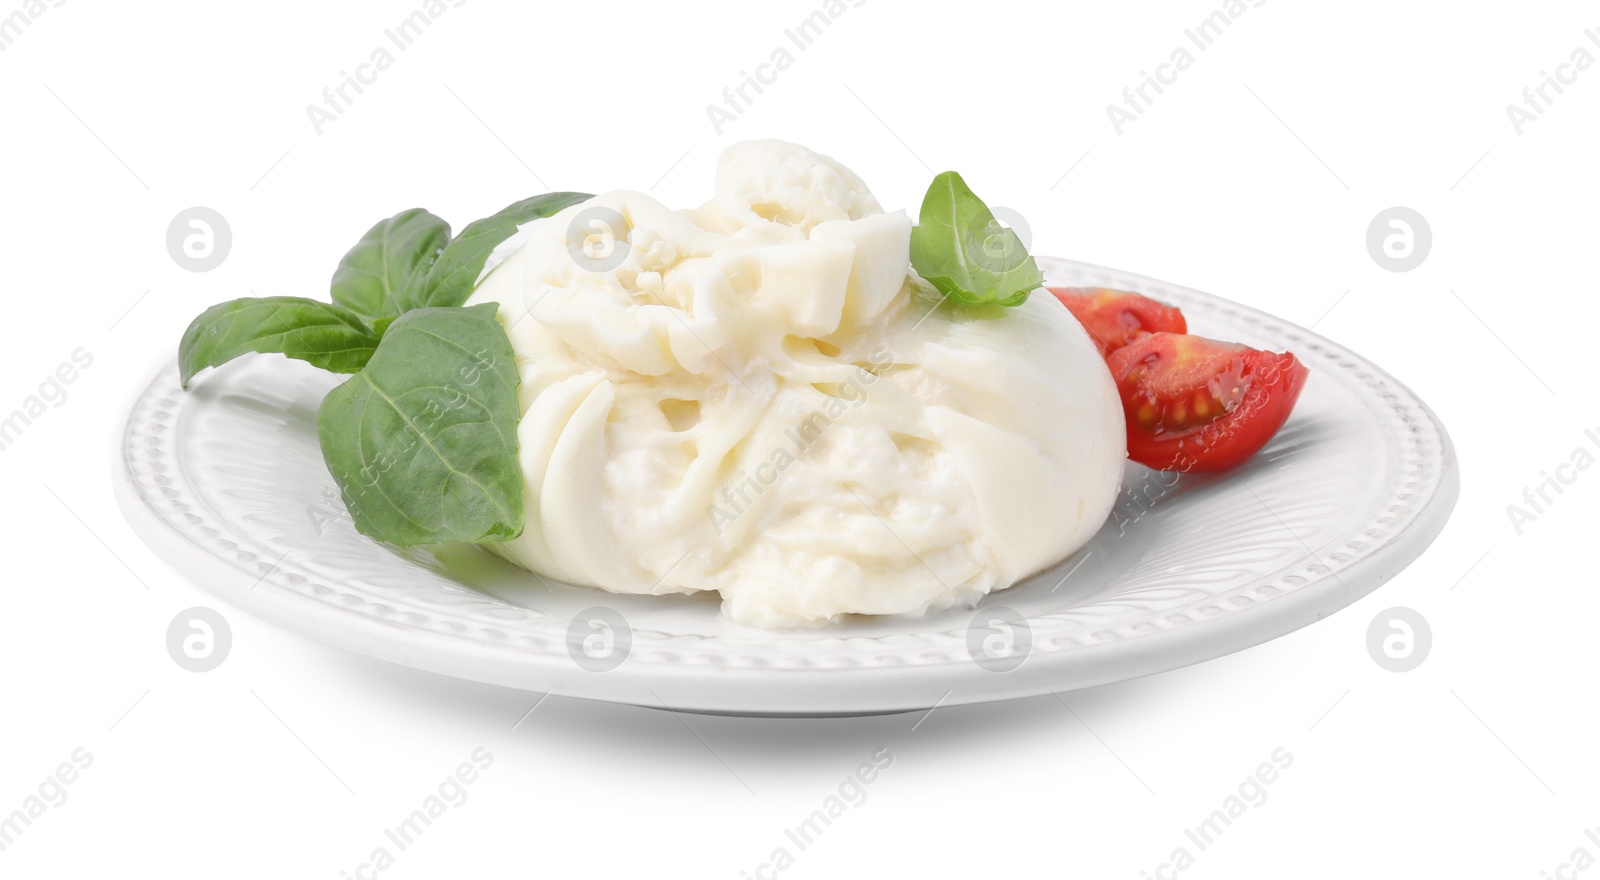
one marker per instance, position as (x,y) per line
(227,483)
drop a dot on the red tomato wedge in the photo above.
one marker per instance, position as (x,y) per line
(1115,318)
(1194,404)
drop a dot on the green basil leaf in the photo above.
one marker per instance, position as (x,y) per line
(388,260)
(423,441)
(456,272)
(960,248)
(322,334)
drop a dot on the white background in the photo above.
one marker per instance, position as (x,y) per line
(1254,176)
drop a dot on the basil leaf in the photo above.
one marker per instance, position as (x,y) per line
(322,334)
(423,441)
(960,248)
(388,260)
(456,272)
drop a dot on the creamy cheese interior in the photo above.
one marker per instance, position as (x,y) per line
(758,397)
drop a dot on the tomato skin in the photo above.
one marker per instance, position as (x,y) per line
(1115,318)
(1195,404)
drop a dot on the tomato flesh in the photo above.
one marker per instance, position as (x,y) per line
(1195,404)
(1114,318)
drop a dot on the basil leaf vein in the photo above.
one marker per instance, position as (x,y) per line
(322,334)
(374,274)
(960,248)
(422,442)
(451,279)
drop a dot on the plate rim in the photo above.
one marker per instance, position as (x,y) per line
(809,688)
